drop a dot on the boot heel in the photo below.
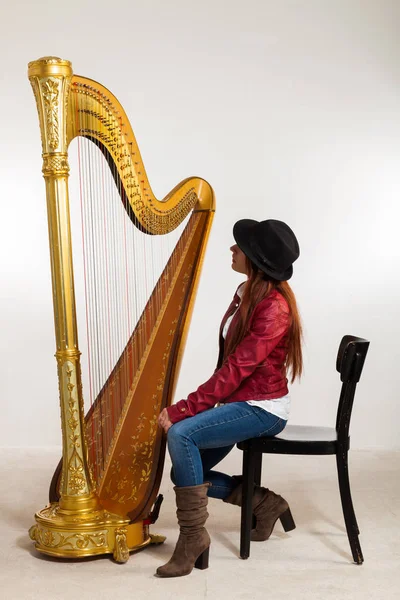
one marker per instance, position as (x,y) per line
(202,561)
(287,520)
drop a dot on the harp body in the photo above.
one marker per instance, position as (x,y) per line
(113,457)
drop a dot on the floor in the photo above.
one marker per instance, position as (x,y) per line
(311,562)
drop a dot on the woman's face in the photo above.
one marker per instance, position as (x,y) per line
(238,260)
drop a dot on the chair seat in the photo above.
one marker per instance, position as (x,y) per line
(296,439)
(307,433)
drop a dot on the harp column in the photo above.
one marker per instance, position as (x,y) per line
(51,78)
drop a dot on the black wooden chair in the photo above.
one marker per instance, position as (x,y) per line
(312,441)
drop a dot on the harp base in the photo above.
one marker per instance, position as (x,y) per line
(71,536)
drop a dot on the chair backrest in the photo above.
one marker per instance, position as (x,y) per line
(349,363)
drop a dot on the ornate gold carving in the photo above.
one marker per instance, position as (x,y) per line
(68,354)
(121,550)
(32,532)
(55,164)
(51,511)
(51,91)
(77,483)
(60,533)
(76,478)
(35,87)
(49,60)
(49,538)
(51,79)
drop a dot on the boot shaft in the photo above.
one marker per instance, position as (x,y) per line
(191,507)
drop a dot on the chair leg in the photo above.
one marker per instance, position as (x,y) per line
(347,506)
(342,459)
(247,502)
(257,467)
(257,479)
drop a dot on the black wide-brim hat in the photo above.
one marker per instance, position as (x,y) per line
(271,245)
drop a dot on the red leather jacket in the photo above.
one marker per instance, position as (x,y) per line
(255,370)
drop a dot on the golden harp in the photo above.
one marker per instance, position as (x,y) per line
(137,316)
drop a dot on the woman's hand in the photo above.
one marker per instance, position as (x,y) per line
(163,420)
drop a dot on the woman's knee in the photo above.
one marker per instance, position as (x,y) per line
(172,434)
(174,440)
(176,433)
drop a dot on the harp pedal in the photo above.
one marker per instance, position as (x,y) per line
(156,539)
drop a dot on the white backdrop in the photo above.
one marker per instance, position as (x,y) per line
(291,110)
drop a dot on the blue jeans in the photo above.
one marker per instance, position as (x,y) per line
(198,443)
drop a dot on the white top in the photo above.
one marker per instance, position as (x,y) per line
(279,407)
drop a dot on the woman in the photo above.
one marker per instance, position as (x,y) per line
(262,334)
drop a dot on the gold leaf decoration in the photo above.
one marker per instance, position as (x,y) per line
(51,91)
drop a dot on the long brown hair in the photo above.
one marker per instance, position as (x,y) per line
(256,288)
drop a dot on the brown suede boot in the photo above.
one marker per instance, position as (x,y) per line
(193,544)
(268,507)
